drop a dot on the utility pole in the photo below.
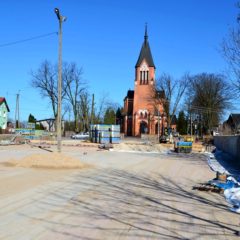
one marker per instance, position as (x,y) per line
(17,112)
(59,113)
(69,117)
(158,126)
(191,123)
(77,118)
(92,110)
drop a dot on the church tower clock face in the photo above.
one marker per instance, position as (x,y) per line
(144,67)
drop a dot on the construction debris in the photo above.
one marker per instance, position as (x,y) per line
(106,146)
(42,146)
(208,188)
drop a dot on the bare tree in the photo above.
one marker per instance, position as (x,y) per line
(66,109)
(209,95)
(100,109)
(72,77)
(169,93)
(84,110)
(230,49)
(45,80)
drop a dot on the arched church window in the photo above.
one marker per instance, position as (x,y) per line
(144,74)
(142,77)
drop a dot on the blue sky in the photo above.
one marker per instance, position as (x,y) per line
(104,37)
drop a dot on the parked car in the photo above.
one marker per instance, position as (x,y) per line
(81,136)
(164,139)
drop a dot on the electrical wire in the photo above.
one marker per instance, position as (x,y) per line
(27,39)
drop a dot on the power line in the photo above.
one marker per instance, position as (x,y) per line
(27,39)
(202,109)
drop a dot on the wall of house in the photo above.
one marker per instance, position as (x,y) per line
(230,145)
(3,116)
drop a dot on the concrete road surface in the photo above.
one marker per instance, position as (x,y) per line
(124,196)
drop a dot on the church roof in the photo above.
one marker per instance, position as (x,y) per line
(145,52)
(130,94)
(174,120)
(235,118)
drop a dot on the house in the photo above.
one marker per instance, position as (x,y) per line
(141,114)
(48,124)
(4,110)
(232,125)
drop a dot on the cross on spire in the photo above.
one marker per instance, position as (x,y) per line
(146,34)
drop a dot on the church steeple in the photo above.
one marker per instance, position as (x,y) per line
(145,52)
(146,35)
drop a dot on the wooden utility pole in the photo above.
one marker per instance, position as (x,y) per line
(158,126)
(59,113)
(191,123)
(92,110)
(17,123)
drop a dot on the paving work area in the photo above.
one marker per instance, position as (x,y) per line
(119,195)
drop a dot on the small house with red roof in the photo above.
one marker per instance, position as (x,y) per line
(4,110)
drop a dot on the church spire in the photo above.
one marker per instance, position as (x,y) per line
(146,34)
(145,52)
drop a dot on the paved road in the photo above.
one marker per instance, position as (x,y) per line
(125,196)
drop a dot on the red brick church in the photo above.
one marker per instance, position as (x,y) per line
(141,115)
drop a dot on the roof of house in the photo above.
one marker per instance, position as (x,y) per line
(235,118)
(3,100)
(45,120)
(145,52)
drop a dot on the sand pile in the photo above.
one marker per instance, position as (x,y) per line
(138,147)
(49,160)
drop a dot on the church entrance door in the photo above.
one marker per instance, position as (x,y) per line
(143,127)
(129,127)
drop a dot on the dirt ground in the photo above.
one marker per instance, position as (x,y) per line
(136,191)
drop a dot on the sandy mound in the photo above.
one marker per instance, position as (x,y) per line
(138,147)
(49,160)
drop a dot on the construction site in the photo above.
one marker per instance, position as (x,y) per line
(119,120)
(132,190)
